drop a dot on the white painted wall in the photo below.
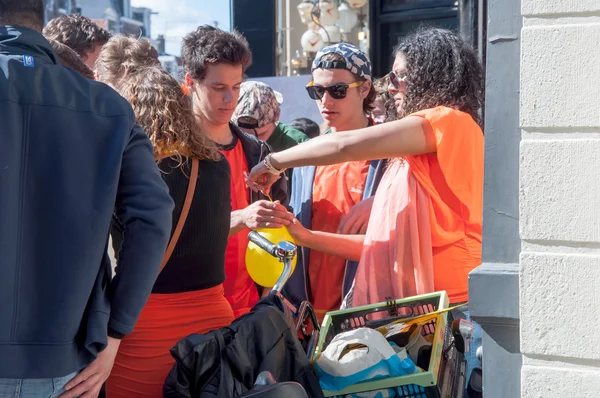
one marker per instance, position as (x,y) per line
(560,198)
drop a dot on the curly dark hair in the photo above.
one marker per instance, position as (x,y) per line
(208,45)
(69,58)
(78,32)
(441,70)
(22,12)
(368,103)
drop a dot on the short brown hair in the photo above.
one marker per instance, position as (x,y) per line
(69,58)
(165,113)
(368,102)
(122,56)
(208,45)
(78,32)
(22,12)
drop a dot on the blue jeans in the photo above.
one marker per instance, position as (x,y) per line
(34,388)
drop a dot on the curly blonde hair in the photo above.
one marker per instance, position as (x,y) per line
(122,56)
(165,113)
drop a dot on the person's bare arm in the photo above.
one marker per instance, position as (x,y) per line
(345,246)
(409,136)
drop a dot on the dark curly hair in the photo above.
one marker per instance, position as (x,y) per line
(208,45)
(78,32)
(66,56)
(441,70)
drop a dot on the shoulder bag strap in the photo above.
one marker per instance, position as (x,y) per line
(184,213)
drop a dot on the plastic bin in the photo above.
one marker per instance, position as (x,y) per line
(445,376)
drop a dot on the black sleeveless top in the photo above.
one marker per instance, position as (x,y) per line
(198,261)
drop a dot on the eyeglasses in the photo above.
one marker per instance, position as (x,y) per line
(337,91)
(396,79)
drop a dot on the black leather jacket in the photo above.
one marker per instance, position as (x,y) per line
(225,363)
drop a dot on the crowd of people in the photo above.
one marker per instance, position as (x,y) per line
(98,141)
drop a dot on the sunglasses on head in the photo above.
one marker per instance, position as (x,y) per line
(396,78)
(337,91)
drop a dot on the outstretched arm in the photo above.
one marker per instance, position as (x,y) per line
(345,246)
(409,136)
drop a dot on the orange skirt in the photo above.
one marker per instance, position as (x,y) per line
(144,361)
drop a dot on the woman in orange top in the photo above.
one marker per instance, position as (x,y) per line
(425,229)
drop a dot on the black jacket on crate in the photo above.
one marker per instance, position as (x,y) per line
(225,363)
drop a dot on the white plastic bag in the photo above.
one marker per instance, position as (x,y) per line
(371,357)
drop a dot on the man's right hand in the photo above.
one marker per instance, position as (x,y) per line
(265,214)
(88,382)
(355,222)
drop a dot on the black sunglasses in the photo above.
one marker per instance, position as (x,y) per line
(337,91)
(396,78)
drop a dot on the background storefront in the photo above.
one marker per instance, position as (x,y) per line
(296,29)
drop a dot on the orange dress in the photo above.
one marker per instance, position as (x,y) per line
(425,229)
(144,360)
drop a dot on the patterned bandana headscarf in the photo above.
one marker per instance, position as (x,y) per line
(259,102)
(356,61)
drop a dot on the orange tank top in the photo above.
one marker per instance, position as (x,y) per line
(240,289)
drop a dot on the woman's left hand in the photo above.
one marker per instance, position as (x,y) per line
(260,179)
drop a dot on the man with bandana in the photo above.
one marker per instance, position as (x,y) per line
(342,85)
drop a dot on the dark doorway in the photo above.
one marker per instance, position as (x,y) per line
(392,19)
(256,20)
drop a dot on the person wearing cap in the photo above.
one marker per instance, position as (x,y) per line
(322,195)
(258,112)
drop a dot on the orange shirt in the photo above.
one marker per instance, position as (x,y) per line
(453,178)
(240,289)
(336,189)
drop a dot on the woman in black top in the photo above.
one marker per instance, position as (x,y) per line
(188,294)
